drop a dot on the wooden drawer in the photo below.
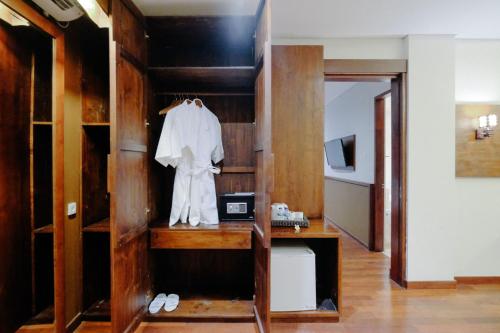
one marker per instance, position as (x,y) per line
(234,235)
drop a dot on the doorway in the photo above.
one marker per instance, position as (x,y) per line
(394,73)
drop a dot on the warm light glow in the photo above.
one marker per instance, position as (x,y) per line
(492,120)
(95,12)
(483,122)
(88,5)
(11,17)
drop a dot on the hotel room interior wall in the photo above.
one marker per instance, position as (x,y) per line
(431,208)
(353,113)
(478,81)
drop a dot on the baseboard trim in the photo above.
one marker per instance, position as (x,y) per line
(347,232)
(431,284)
(477,279)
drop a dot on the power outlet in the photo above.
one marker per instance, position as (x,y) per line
(72,208)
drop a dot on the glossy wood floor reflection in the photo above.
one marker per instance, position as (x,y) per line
(373,304)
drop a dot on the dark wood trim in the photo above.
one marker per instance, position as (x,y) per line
(314,316)
(477,280)
(394,70)
(431,284)
(376,234)
(365,66)
(378,194)
(398,224)
(354,182)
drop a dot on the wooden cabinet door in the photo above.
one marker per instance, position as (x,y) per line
(264,166)
(128,168)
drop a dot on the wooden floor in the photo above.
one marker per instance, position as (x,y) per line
(373,304)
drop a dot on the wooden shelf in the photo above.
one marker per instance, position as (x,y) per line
(46,229)
(45,316)
(204,79)
(95,124)
(226,235)
(101,226)
(208,310)
(44,123)
(315,316)
(99,311)
(318,229)
(237,169)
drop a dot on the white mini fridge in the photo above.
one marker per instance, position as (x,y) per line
(293,277)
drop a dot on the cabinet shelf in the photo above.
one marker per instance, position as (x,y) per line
(42,123)
(226,235)
(208,310)
(204,79)
(46,229)
(317,316)
(46,316)
(101,226)
(318,229)
(98,311)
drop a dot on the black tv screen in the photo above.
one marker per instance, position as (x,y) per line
(340,153)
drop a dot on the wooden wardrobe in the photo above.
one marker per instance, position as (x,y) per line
(117,252)
(31,169)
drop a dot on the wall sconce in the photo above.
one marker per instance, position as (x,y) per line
(486,126)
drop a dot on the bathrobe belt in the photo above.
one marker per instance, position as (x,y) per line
(197,170)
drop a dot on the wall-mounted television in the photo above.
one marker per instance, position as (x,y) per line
(341,153)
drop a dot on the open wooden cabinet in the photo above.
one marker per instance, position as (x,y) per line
(31,169)
(117,252)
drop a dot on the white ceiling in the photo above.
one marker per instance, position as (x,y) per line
(351,18)
(367,18)
(197,7)
(335,89)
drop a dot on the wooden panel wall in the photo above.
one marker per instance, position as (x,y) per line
(72,152)
(128,169)
(297,127)
(15,268)
(476,158)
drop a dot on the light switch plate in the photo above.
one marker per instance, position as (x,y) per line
(72,208)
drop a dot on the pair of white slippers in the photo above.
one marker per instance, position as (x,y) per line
(169,303)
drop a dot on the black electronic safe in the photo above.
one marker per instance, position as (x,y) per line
(237,206)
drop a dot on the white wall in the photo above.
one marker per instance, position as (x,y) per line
(478,81)
(431,210)
(350,113)
(353,48)
(348,18)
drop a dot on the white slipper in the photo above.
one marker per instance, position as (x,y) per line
(172,302)
(156,305)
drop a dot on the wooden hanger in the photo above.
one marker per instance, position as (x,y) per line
(198,102)
(176,102)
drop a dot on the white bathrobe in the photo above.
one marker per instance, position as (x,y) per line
(190,141)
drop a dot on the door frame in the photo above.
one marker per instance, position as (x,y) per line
(377,222)
(376,70)
(58,91)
